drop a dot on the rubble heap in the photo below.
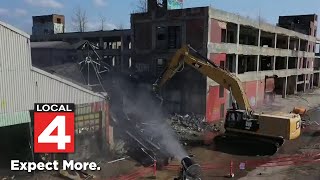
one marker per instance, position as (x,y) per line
(187,126)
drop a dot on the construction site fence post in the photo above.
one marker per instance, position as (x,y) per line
(155,168)
(231,175)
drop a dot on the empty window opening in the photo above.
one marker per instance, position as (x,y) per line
(279,85)
(301,78)
(59,20)
(168,37)
(316,79)
(281,63)
(231,33)
(304,65)
(161,34)
(303,45)
(294,44)
(267,39)
(266,63)
(282,42)
(316,64)
(174,37)
(252,63)
(293,62)
(223,35)
(248,36)
(300,87)
(231,63)
(221,91)
(242,65)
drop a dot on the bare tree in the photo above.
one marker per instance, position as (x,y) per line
(141,6)
(80,20)
(102,21)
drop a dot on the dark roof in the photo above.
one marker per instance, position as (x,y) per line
(68,71)
(52,45)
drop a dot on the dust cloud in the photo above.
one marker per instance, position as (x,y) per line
(145,107)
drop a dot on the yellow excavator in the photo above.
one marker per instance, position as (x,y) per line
(240,121)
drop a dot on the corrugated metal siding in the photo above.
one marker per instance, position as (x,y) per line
(22,85)
(52,89)
(15,65)
(10,119)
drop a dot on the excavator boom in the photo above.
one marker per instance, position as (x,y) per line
(224,78)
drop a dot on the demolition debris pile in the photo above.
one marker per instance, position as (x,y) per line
(187,125)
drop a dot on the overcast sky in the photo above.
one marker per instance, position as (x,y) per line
(117,12)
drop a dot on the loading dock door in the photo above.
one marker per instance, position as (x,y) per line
(88,135)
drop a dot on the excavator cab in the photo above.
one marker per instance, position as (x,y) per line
(240,119)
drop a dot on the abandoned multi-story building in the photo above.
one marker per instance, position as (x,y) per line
(113,46)
(268,59)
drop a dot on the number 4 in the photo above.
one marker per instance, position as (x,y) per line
(61,139)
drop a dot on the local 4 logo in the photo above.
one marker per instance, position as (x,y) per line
(54,128)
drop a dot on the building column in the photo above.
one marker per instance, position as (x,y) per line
(288,42)
(305,83)
(296,89)
(237,63)
(311,85)
(258,63)
(238,34)
(274,63)
(287,61)
(237,55)
(284,90)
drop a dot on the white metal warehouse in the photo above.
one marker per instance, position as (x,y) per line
(22,85)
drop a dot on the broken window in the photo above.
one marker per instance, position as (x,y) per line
(174,37)
(161,42)
(58,20)
(168,37)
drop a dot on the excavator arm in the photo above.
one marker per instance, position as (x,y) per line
(187,55)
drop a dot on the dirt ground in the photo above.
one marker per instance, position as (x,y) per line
(218,163)
(308,142)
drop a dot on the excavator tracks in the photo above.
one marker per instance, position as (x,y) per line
(244,144)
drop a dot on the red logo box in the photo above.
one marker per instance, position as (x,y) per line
(54,128)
